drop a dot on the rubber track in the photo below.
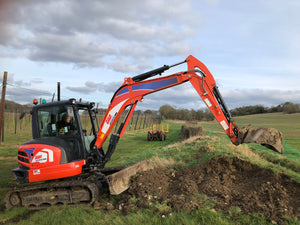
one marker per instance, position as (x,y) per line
(41,196)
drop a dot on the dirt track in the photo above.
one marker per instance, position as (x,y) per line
(229,182)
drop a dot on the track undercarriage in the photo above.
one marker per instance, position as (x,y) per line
(75,191)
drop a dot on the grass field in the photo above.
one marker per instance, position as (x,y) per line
(134,147)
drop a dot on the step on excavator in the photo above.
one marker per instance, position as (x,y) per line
(67,154)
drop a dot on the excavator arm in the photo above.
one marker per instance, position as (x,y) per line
(134,89)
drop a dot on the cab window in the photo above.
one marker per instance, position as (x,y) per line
(58,120)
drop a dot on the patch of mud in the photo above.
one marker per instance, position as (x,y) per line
(227,181)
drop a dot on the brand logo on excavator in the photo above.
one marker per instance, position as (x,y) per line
(108,119)
(113,118)
(43,156)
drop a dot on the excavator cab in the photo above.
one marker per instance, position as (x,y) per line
(63,133)
(66,123)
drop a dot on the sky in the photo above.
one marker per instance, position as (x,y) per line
(251,47)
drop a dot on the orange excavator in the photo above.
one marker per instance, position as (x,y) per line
(67,153)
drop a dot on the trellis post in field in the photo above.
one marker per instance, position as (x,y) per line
(16,121)
(137,119)
(2,105)
(145,120)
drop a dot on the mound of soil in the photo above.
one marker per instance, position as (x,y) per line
(227,181)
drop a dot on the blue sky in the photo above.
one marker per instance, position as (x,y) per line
(251,47)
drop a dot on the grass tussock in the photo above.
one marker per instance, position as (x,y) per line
(157,162)
(246,153)
(189,140)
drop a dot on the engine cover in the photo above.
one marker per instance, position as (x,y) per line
(40,162)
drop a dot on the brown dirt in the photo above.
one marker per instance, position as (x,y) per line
(227,181)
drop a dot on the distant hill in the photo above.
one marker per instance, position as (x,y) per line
(11,106)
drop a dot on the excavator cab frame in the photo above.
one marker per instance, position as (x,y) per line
(53,148)
(46,119)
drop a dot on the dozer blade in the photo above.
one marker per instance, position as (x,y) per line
(268,137)
(120,181)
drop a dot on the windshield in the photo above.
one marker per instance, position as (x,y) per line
(57,120)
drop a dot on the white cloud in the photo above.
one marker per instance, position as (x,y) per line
(250,47)
(271,97)
(91,87)
(94,33)
(77,48)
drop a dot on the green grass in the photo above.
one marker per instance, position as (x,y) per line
(134,147)
(288,124)
(87,215)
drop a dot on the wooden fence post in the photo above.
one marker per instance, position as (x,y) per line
(145,121)
(137,119)
(16,121)
(2,106)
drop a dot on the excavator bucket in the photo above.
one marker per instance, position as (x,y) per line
(119,182)
(268,137)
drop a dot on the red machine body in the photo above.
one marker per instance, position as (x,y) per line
(44,162)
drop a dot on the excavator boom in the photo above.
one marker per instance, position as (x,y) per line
(134,89)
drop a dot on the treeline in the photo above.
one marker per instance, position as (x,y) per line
(11,106)
(168,112)
(286,107)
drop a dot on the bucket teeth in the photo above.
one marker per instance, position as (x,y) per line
(268,137)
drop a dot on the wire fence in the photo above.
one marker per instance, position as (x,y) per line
(19,122)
